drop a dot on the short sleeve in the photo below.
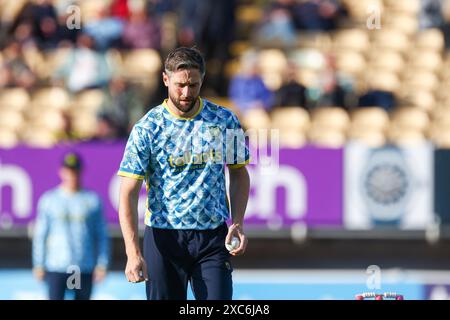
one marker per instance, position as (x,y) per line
(237,151)
(136,157)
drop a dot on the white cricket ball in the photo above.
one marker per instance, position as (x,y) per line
(234,244)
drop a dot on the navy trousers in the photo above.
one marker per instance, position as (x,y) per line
(176,258)
(57,286)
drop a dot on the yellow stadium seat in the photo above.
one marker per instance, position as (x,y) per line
(141,62)
(441,117)
(256,119)
(410,118)
(370,118)
(400,136)
(272,63)
(388,60)
(410,7)
(34,59)
(390,39)
(51,119)
(350,62)
(39,137)
(249,14)
(14,98)
(8,138)
(226,103)
(319,41)
(425,59)
(431,39)
(142,67)
(369,137)
(292,139)
(440,136)
(331,117)
(291,124)
(358,8)
(404,23)
(88,100)
(351,39)
(51,98)
(90,9)
(238,47)
(422,80)
(419,98)
(326,137)
(383,80)
(290,118)
(11,9)
(11,119)
(84,124)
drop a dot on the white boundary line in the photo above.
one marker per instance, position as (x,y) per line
(339,276)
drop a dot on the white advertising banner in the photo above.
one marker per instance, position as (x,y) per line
(389,186)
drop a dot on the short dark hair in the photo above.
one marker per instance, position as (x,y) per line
(184,58)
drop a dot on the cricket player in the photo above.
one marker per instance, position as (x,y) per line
(180,149)
(70,236)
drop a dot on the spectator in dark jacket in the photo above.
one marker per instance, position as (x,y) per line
(291,93)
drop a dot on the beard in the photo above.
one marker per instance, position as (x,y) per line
(183,106)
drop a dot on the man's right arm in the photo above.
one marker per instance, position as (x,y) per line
(39,239)
(136,269)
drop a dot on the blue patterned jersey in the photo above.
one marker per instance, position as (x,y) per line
(70,230)
(182,161)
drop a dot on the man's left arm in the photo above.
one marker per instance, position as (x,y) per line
(239,192)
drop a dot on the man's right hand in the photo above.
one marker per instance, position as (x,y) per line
(136,269)
(39,273)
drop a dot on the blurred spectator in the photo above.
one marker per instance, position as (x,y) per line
(47,28)
(67,133)
(41,17)
(107,128)
(119,9)
(247,89)
(380,98)
(49,34)
(279,26)
(318,15)
(430,14)
(446,26)
(210,26)
(122,106)
(291,93)
(286,5)
(24,34)
(68,36)
(104,29)
(14,71)
(189,26)
(161,7)
(141,31)
(43,9)
(84,68)
(331,92)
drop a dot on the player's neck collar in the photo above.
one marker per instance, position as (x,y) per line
(200,108)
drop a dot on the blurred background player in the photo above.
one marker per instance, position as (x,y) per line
(70,233)
(186,227)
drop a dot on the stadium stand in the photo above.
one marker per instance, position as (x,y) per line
(401,59)
(353,83)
